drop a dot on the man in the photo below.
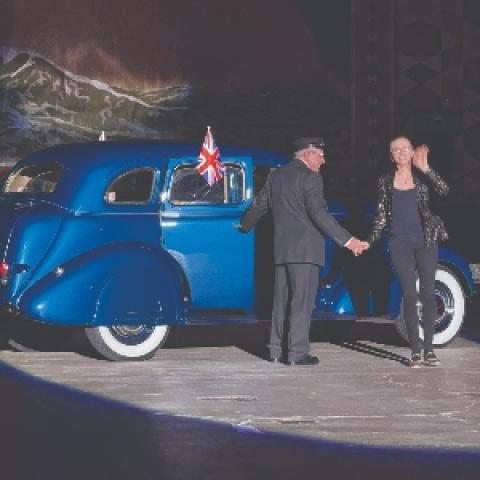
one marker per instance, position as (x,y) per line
(294,194)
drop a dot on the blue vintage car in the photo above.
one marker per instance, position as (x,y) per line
(123,240)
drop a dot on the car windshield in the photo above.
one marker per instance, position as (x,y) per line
(42,178)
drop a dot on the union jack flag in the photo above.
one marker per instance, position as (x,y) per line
(210,166)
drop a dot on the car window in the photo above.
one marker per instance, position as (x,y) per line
(187,186)
(135,187)
(41,178)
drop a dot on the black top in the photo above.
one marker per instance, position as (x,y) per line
(405,216)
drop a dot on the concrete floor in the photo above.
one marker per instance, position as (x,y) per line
(361,397)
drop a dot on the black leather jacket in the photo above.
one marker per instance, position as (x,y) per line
(433,227)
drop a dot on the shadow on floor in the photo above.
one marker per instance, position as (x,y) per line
(374,351)
(49,431)
(254,338)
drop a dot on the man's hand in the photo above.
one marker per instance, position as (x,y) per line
(356,246)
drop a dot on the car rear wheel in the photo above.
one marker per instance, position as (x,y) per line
(127,342)
(450,306)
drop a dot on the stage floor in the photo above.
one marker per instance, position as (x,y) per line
(361,393)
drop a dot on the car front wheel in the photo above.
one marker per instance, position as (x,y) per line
(450,300)
(127,342)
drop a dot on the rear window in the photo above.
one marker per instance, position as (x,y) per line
(134,187)
(41,178)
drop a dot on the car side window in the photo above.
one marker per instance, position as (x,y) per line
(134,187)
(187,186)
(41,178)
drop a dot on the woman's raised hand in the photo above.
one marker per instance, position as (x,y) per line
(420,158)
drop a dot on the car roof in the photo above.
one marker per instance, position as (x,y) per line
(81,156)
(90,167)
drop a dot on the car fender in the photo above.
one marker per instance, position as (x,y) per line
(335,299)
(446,257)
(341,303)
(458,265)
(127,283)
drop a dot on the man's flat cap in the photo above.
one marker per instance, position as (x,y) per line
(308,142)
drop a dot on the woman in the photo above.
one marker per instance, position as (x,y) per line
(414,233)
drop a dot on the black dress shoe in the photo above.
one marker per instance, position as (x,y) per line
(306,360)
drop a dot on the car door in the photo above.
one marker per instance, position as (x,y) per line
(200,229)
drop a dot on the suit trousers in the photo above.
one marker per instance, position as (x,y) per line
(413,260)
(295,288)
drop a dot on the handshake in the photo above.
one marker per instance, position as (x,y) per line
(356,246)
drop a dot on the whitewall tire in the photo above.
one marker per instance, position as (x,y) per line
(450,299)
(127,342)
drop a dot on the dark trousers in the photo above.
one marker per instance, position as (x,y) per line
(295,288)
(412,260)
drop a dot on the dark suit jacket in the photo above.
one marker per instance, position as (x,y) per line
(294,193)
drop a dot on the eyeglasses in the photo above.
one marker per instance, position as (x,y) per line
(404,149)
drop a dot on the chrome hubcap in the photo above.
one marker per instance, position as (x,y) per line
(131,334)
(445,306)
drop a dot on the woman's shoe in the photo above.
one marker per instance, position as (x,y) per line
(430,359)
(415,361)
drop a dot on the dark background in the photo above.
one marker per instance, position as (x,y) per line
(259,73)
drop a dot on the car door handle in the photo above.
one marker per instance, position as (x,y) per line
(238,226)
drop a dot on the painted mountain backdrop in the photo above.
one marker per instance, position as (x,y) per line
(42,104)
